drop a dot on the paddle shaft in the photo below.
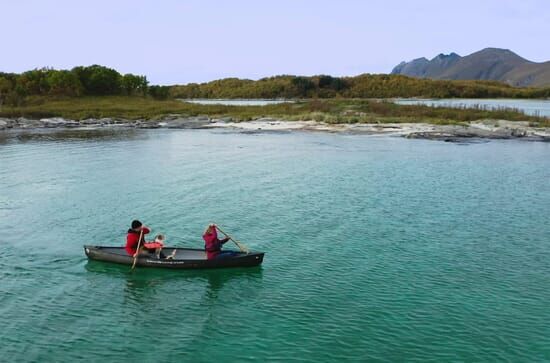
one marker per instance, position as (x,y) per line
(241,246)
(137,249)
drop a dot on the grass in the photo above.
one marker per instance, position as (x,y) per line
(326,110)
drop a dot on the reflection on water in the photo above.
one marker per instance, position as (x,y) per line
(218,278)
(141,284)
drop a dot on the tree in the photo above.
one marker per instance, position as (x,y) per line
(159,92)
(64,83)
(17,96)
(5,88)
(132,84)
(325,81)
(34,82)
(302,85)
(98,80)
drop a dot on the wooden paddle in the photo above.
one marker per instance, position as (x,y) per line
(137,249)
(242,247)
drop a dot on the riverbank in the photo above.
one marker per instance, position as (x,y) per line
(332,111)
(486,129)
(360,116)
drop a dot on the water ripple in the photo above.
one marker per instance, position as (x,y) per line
(377,248)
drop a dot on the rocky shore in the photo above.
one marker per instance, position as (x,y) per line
(487,129)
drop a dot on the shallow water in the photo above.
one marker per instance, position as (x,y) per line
(377,248)
(235,102)
(529,107)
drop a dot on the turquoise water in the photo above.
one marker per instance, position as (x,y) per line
(377,248)
(530,107)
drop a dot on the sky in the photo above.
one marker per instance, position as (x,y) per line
(177,42)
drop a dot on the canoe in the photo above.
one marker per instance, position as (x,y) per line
(184,258)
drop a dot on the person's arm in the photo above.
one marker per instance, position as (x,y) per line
(225,240)
(145,230)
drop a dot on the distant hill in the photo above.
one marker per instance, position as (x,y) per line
(488,64)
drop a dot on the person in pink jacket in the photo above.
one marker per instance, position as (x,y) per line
(213,245)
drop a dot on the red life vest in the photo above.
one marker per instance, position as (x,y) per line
(212,245)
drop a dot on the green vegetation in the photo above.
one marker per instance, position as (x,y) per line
(95,80)
(79,81)
(96,91)
(362,86)
(78,108)
(325,110)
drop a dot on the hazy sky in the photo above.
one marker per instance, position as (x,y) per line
(194,41)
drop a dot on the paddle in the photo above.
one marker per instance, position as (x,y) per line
(242,247)
(137,249)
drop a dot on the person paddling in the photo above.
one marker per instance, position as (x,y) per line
(213,245)
(132,241)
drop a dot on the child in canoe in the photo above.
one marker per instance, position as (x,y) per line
(213,245)
(156,246)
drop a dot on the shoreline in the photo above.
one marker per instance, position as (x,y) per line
(482,129)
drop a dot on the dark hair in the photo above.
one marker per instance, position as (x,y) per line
(136,224)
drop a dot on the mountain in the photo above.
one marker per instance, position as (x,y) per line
(488,64)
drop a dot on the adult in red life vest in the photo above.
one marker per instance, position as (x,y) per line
(213,245)
(145,248)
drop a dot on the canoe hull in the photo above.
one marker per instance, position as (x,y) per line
(186,258)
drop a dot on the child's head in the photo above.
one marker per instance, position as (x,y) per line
(159,238)
(211,228)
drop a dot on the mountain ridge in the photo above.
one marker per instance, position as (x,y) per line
(495,64)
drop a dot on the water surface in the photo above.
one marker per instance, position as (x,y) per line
(236,102)
(377,248)
(530,107)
